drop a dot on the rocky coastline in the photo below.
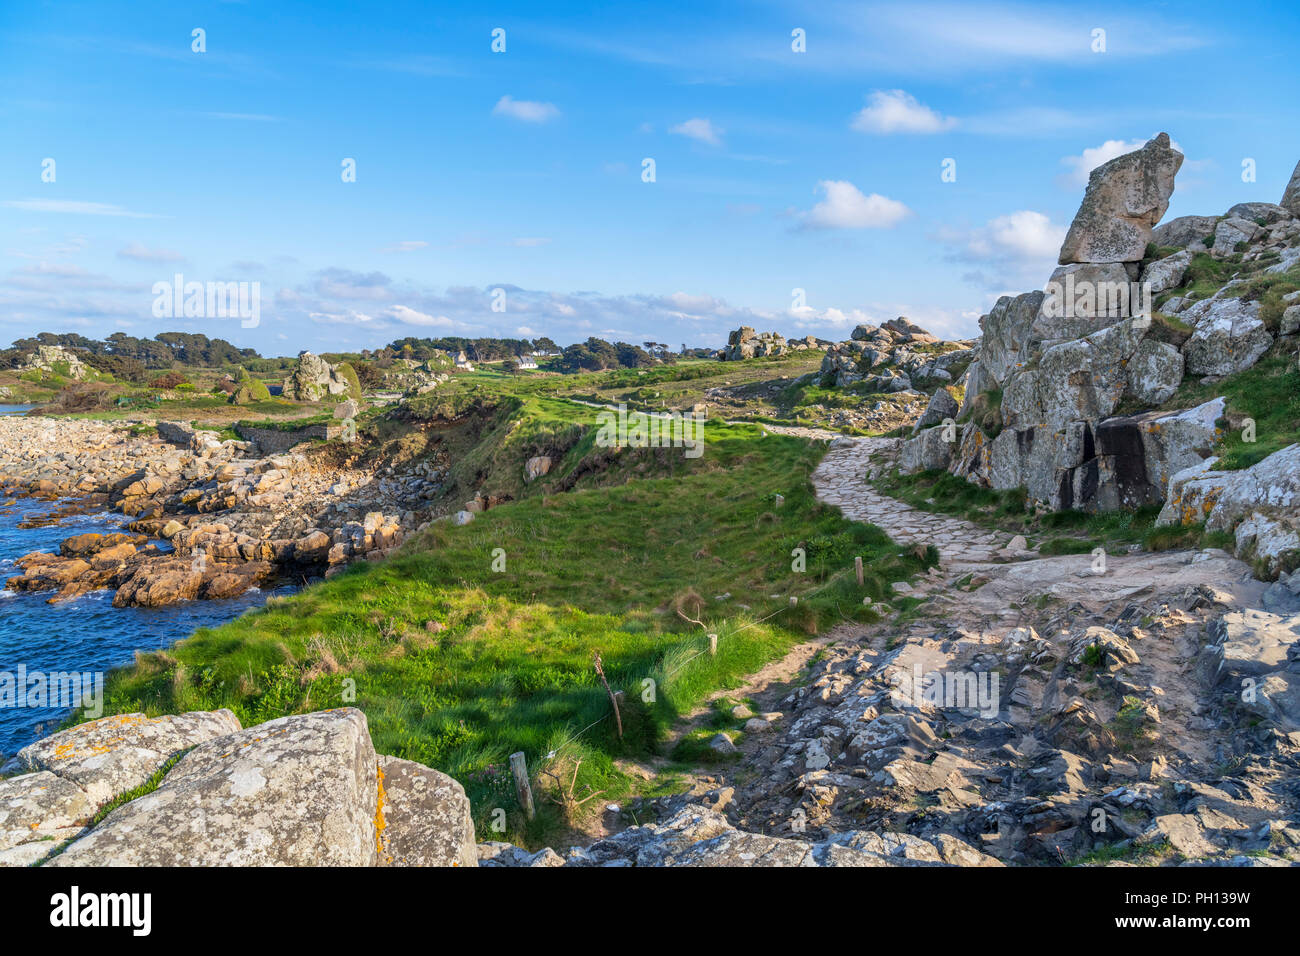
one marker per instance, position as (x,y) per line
(210,518)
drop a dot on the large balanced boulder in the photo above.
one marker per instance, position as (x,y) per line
(1125,198)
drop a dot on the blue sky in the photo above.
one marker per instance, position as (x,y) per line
(775,170)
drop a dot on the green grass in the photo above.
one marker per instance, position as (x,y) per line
(457,666)
(1057,532)
(1268,392)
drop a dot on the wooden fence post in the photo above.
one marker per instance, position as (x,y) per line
(519,767)
(857,566)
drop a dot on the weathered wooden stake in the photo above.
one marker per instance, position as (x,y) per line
(713,645)
(519,767)
(857,566)
(613,698)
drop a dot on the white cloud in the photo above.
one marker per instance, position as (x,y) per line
(699,129)
(140,253)
(1025,233)
(406,245)
(895,111)
(527,242)
(409,316)
(1018,249)
(1080,166)
(845,207)
(529,111)
(76,207)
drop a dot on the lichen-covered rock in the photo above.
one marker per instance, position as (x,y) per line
(55,360)
(297,791)
(1184,231)
(942,405)
(38,806)
(536,467)
(314,378)
(1125,198)
(1154,372)
(1228,336)
(1167,273)
(1261,504)
(745,343)
(1230,233)
(112,755)
(932,448)
(1082,379)
(423,817)
(1006,341)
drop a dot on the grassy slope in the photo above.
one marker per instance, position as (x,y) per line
(458,665)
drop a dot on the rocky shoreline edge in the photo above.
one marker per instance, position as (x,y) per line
(209,518)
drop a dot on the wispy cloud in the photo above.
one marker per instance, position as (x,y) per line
(77,208)
(699,129)
(527,111)
(406,245)
(245,117)
(896,111)
(139,253)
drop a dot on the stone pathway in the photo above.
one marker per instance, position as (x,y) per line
(841,480)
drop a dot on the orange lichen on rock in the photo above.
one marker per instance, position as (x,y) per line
(379,814)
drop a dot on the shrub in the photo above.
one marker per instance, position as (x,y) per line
(169,380)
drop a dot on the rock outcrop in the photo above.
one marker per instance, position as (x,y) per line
(228,520)
(56,360)
(700,836)
(313,379)
(305,790)
(1259,504)
(745,343)
(1064,397)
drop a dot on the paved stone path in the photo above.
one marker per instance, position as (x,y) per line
(841,480)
